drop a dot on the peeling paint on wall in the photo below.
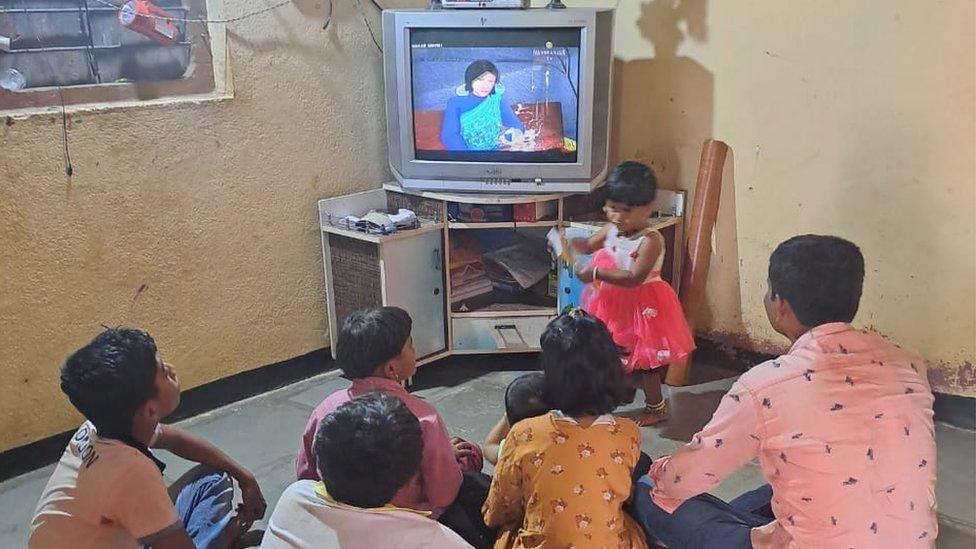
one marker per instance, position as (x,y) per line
(959,376)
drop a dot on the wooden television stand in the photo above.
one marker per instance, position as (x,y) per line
(411,269)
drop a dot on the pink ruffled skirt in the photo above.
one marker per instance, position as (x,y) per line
(646,321)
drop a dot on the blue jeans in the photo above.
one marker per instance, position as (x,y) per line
(704,521)
(204,500)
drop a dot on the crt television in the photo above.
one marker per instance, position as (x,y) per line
(498,100)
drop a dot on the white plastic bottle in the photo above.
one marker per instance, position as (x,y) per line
(12,80)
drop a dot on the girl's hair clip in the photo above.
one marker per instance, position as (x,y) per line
(575,313)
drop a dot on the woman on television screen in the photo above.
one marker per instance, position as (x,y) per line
(477,117)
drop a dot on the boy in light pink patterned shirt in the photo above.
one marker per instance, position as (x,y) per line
(841,426)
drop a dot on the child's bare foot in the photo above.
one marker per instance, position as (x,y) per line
(251,538)
(237,533)
(235,528)
(646,417)
(650,414)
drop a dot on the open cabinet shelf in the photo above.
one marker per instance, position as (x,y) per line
(502,224)
(411,269)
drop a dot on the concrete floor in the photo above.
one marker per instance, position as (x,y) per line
(263,434)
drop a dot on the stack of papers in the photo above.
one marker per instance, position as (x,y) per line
(501,279)
(468,278)
(525,263)
(469,281)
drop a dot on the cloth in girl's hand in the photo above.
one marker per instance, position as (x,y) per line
(560,246)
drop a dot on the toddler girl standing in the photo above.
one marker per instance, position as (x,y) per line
(627,293)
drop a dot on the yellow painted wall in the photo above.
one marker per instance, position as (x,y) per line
(852,118)
(211,206)
(846,118)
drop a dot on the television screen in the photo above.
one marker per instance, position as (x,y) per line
(495,95)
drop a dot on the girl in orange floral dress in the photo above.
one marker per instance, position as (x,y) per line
(563,477)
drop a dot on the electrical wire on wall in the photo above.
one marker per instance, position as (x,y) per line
(69,170)
(328,16)
(362,12)
(366,22)
(84,19)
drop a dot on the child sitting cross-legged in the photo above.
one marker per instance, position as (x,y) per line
(375,350)
(366,450)
(108,490)
(563,477)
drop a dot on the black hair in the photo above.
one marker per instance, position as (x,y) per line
(523,398)
(583,372)
(631,183)
(371,337)
(476,69)
(108,379)
(367,449)
(821,277)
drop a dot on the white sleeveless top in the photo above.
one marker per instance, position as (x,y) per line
(623,250)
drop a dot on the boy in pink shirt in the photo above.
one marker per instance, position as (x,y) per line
(841,425)
(374,349)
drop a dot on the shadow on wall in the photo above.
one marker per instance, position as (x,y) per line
(662,105)
(662,113)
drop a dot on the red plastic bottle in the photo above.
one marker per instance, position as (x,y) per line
(149,20)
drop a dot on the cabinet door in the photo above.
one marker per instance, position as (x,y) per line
(412,271)
(570,287)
